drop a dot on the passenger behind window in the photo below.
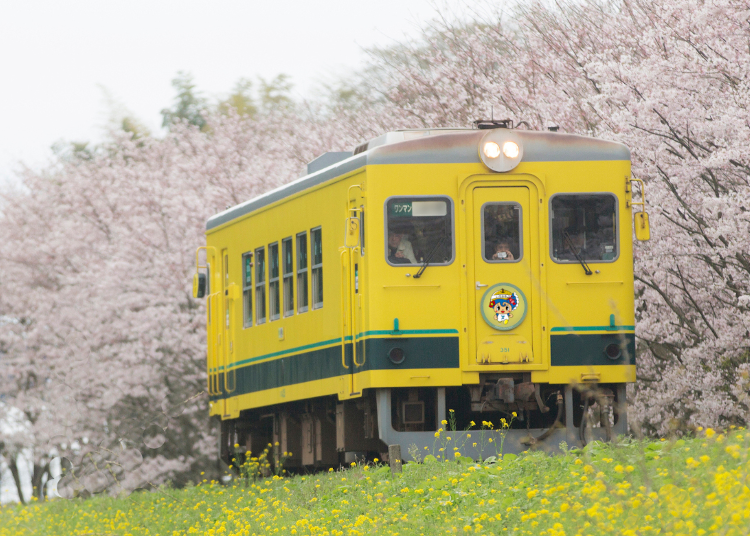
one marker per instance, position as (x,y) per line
(503,252)
(400,250)
(502,232)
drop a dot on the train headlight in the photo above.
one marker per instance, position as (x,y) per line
(501,149)
(491,149)
(510,149)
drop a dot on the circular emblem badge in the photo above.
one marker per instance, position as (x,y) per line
(503,306)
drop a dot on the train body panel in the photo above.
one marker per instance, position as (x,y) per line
(412,276)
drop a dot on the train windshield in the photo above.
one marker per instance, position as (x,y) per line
(419,230)
(584,226)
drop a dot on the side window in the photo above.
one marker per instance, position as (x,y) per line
(273,281)
(585,226)
(419,229)
(247,289)
(287,258)
(502,236)
(317,268)
(302,273)
(260,286)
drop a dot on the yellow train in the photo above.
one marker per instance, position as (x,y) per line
(428,275)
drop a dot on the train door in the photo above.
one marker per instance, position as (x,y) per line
(505,240)
(213,306)
(225,328)
(352,305)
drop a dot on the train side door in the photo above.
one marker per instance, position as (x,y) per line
(505,243)
(353,323)
(214,317)
(225,329)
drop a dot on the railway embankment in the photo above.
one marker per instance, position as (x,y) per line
(696,485)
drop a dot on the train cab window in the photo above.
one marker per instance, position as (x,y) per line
(288,271)
(584,226)
(247,289)
(302,277)
(317,267)
(260,286)
(501,232)
(273,281)
(418,230)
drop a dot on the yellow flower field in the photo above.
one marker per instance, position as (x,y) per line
(690,486)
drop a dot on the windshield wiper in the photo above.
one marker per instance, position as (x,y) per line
(571,247)
(429,257)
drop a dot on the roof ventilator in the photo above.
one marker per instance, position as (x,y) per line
(486,124)
(361,148)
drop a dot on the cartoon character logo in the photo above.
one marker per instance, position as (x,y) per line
(503,302)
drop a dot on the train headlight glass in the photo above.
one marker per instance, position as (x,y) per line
(501,149)
(510,149)
(491,149)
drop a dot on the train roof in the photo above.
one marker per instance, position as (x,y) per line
(429,146)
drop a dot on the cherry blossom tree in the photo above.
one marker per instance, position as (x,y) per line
(97,257)
(669,79)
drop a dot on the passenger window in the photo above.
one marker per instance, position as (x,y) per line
(260,286)
(419,229)
(247,289)
(273,281)
(317,268)
(501,232)
(302,277)
(585,226)
(288,269)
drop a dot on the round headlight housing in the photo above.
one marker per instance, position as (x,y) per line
(501,149)
(613,351)
(396,355)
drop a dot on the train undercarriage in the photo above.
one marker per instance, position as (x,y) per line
(502,414)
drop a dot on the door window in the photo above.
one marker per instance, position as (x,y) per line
(502,232)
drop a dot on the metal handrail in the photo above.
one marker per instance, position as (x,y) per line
(642,202)
(343,310)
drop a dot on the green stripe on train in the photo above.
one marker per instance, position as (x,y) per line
(319,364)
(588,349)
(303,349)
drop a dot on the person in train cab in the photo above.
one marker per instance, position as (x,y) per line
(400,250)
(503,252)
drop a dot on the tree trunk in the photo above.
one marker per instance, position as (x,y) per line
(13,466)
(37,476)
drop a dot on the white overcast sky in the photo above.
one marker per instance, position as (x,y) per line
(58,57)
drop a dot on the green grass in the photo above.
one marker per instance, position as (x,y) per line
(690,486)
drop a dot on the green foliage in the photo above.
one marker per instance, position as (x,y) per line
(275,93)
(691,486)
(189,104)
(241,100)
